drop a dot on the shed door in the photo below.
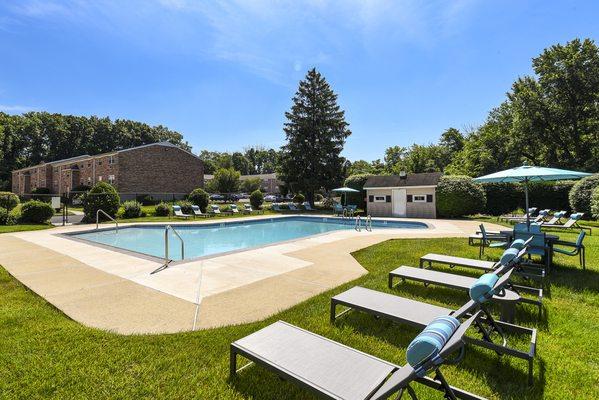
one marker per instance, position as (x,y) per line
(399,202)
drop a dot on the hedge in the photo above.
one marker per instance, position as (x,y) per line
(36,211)
(6,217)
(595,203)
(458,196)
(506,197)
(357,182)
(580,195)
(42,194)
(8,200)
(102,196)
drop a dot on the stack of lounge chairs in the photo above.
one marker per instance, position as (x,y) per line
(332,370)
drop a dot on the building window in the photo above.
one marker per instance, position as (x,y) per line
(89,180)
(100,178)
(99,162)
(379,199)
(419,198)
(111,179)
(111,160)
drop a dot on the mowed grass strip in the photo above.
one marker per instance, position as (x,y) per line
(43,354)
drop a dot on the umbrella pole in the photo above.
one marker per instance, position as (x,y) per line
(527,208)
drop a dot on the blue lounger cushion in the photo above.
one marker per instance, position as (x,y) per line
(484,288)
(518,244)
(509,256)
(431,340)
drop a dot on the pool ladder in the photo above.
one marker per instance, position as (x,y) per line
(167,260)
(109,217)
(367,223)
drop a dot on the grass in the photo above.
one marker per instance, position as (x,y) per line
(43,354)
(23,227)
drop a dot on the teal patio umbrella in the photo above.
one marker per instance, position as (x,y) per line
(528,173)
(345,190)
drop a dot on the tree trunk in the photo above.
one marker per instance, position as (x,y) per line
(310,197)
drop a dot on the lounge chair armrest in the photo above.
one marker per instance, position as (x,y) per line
(564,243)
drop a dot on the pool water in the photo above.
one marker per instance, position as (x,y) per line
(210,239)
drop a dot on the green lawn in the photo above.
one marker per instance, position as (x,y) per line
(23,227)
(43,354)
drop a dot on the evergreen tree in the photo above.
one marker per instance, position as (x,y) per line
(315,131)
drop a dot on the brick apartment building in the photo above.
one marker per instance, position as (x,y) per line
(151,168)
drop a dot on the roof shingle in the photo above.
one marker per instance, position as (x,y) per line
(420,179)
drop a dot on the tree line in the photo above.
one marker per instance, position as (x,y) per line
(253,160)
(33,137)
(548,119)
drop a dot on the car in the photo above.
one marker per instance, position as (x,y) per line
(217,197)
(270,198)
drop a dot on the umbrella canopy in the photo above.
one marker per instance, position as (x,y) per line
(346,190)
(527,173)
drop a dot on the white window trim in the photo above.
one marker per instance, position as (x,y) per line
(421,200)
(380,199)
(399,187)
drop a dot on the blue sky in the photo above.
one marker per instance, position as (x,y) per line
(223,72)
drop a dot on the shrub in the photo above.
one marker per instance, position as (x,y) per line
(132,209)
(146,200)
(580,195)
(41,194)
(256,199)
(318,197)
(458,196)
(328,203)
(299,198)
(36,211)
(185,207)
(200,198)
(595,203)
(162,209)
(6,217)
(102,196)
(357,182)
(8,200)
(502,197)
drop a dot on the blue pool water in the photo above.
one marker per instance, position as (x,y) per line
(210,239)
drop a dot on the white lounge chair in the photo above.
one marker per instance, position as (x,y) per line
(234,209)
(292,206)
(197,212)
(215,209)
(179,214)
(307,206)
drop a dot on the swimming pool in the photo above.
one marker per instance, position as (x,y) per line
(214,238)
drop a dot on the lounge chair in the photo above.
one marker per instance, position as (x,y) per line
(531,211)
(275,207)
(179,214)
(338,209)
(292,206)
(571,223)
(197,212)
(464,283)
(419,314)
(577,248)
(214,210)
(247,209)
(478,236)
(555,219)
(307,206)
(493,241)
(233,209)
(334,371)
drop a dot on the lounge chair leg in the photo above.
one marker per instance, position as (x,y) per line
(333,312)
(530,372)
(232,363)
(390,281)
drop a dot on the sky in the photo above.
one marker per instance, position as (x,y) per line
(223,73)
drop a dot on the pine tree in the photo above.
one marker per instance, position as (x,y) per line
(316,131)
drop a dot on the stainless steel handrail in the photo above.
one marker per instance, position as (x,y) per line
(368,223)
(358,224)
(109,217)
(166,229)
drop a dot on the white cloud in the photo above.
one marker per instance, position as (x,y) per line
(15,108)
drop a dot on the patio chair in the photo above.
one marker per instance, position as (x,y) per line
(492,241)
(555,219)
(334,371)
(197,212)
(571,223)
(179,214)
(275,207)
(577,248)
(507,218)
(307,206)
(338,209)
(419,314)
(247,208)
(538,246)
(478,236)
(233,209)
(292,206)
(214,210)
(464,283)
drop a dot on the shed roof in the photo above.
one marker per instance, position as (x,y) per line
(420,179)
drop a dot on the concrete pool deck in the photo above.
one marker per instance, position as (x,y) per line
(110,290)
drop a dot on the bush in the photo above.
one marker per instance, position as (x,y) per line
(580,195)
(318,197)
(299,198)
(8,200)
(36,211)
(162,210)
(357,182)
(200,198)
(6,217)
(502,197)
(132,209)
(185,207)
(102,196)
(256,199)
(595,203)
(328,203)
(146,200)
(458,196)
(507,197)
(41,194)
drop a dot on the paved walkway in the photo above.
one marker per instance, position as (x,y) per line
(114,291)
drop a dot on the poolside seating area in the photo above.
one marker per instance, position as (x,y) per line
(332,370)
